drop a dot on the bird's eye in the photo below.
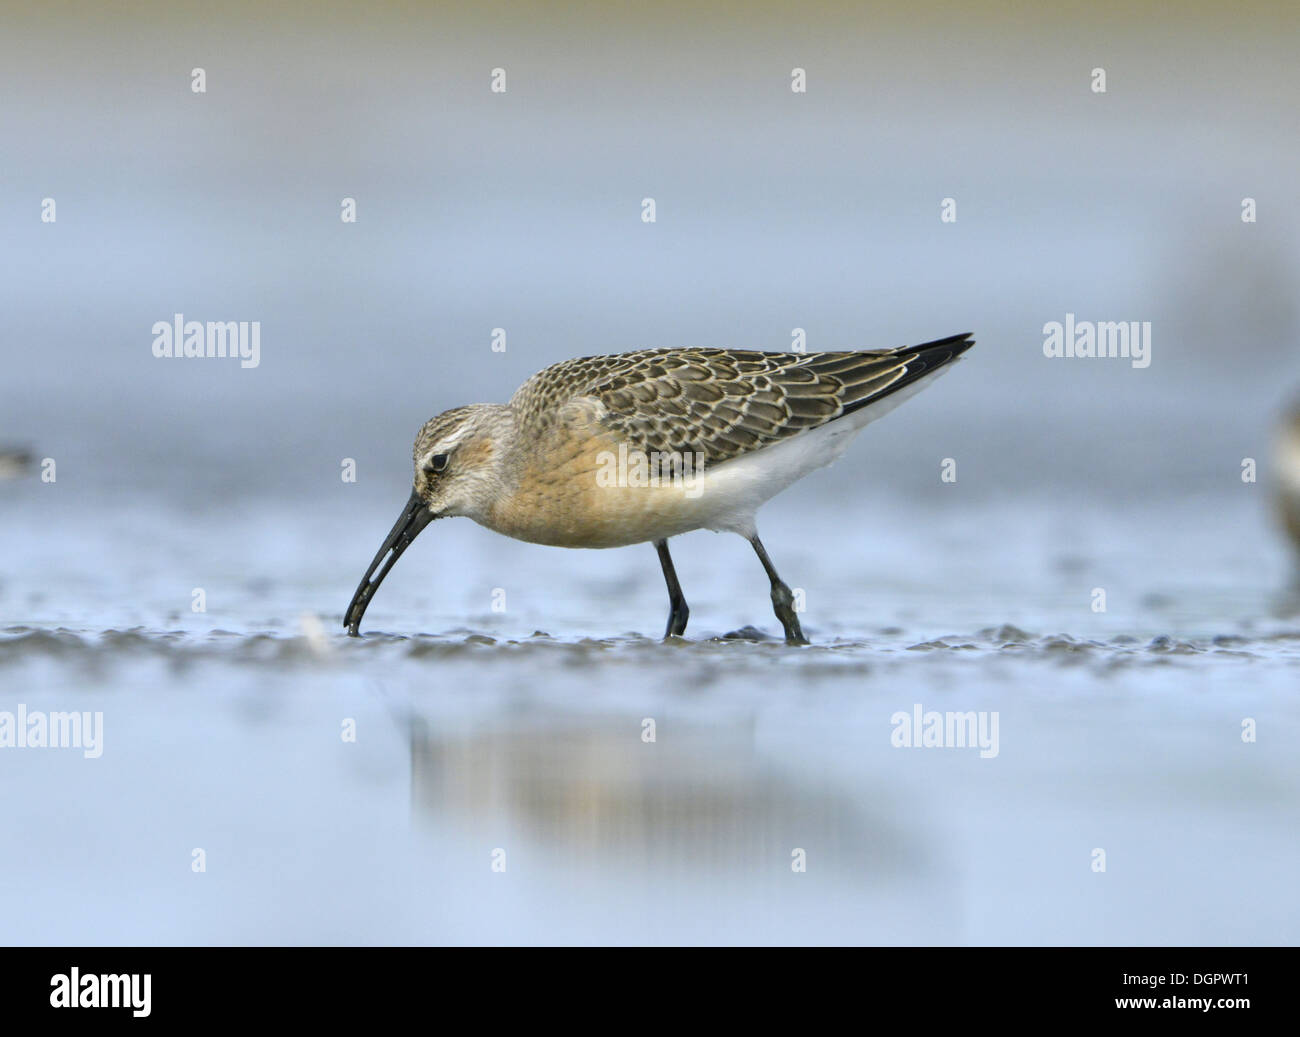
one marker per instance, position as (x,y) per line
(437,463)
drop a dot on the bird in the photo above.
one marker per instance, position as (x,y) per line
(14,461)
(639,447)
(1287,489)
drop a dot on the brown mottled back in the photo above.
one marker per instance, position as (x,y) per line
(723,402)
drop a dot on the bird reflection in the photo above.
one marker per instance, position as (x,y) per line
(700,800)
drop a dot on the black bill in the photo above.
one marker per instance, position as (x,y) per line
(415,516)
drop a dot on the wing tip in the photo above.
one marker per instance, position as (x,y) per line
(921,360)
(958,344)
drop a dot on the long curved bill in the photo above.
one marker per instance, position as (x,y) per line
(414,517)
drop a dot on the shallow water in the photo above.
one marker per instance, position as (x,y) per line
(480,731)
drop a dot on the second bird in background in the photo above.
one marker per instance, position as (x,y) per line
(1287,457)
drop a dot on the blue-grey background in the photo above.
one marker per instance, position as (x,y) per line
(775,210)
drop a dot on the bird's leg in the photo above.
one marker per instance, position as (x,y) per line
(678,612)
(782,599)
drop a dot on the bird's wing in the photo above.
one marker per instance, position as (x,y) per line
(723,403)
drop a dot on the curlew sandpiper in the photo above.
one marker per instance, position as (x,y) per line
(577,458)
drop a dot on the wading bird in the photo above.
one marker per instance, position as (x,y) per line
(577,457)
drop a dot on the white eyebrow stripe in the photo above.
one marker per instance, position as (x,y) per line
(443,445)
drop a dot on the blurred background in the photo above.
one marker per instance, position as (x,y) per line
(521,729)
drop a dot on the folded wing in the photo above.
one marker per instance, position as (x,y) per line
(723,403)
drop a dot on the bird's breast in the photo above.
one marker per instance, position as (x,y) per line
(586,488)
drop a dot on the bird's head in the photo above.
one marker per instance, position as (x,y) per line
(458,471)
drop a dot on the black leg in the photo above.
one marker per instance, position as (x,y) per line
(782,599)
(679,613)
